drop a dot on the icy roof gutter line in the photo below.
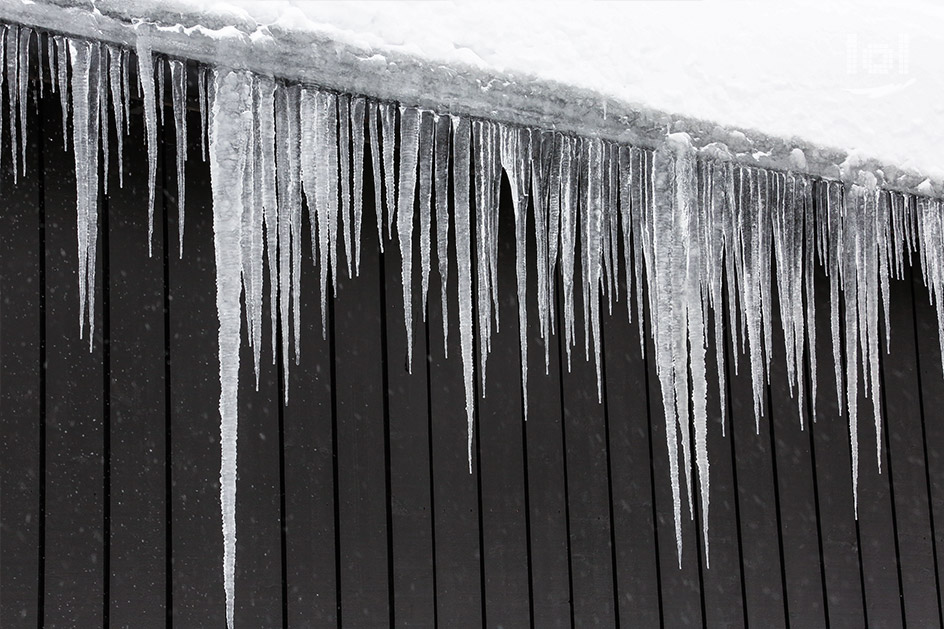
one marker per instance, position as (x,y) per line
(316,58)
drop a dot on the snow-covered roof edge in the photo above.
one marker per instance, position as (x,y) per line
(296,54)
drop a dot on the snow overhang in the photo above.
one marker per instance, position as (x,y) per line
(287,41)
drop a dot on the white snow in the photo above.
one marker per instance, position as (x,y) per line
(861,76)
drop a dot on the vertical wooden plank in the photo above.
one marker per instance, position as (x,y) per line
(311,566)
(74,579)
(794,477)
(459,593)
(587,485)
(680,583)
(633,514)
(829,435)
(547,532)
(722,577)
(258,521)
(362,448)
(760,544)
(501,450)
(877,540)
(412,518)
(196,539)
(931,379)
(136,316)
(907,466)
(21,387)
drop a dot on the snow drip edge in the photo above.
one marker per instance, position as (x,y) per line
(706,229)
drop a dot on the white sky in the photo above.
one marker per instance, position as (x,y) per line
(865,77)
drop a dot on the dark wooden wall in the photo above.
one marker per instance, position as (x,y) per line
(355,506)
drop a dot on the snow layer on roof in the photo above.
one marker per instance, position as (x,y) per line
(863,77)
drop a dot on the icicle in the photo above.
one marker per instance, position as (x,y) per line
(485,152)
(62,67)
(539,162)
(409,139)
(287,99)
(81,140)
(101,108)
(515,152)
(126,89)
(461,149)
(327,141)
(292,169)
(425,166)
(202,104)
(834,269)
(264,121)
(178,78)
(596,252)
(344,152)
(441,172)
(230,124)
(388,113)
(677,307)
(118,106)
(159,61)
(13,90)
(568,223)
(51,60)
(358,108)
(556,150)
(23,84)
(311,115)
(373,112)
(253,242)
(146,79)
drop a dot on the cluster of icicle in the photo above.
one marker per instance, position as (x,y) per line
(696,221)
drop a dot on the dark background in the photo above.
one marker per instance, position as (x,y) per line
(354,503)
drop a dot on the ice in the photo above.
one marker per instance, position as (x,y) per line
(126,89)
(101,108)
(697,231)
(326,142)
(568,222)
(409,140)
(81,89)
(311,106)
(556,150)
(388,116)
(202,104)
(678,267)
(373,114)
(13,90)
(358,107)
(538,158)
(230,124)
(264,122)
(254,217)
(486,163)
(23,85)
(425,167)
(119,111)
(62,71)
(515,153)
(461,153)
(146,79)
(344,154)
(178,77)
(292,168)
(441,174)
(288,177)
(159,73)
